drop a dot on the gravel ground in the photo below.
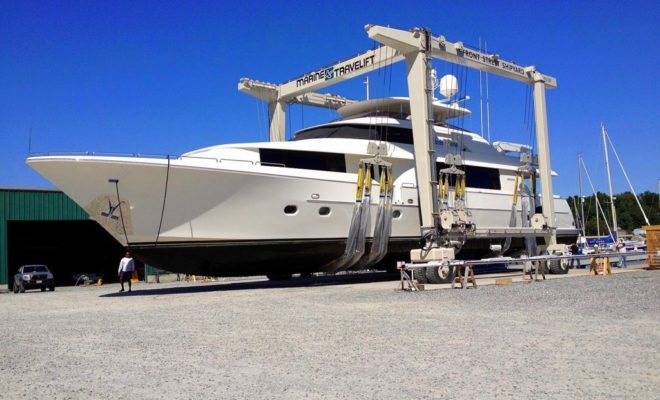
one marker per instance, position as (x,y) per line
(588,337)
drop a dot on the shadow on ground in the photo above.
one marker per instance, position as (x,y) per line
(154,290)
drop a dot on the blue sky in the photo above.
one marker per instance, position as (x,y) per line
(161,77)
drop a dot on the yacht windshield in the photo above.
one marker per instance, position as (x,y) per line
(387,133)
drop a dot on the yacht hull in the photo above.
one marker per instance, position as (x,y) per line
(266,257)
(207,217)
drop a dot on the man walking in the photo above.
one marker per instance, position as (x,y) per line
(621,248)
(126,269)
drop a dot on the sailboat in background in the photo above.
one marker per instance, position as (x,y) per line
(588,244)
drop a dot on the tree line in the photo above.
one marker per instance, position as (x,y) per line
(628,214)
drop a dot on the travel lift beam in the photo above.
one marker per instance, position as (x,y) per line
(269,93)
(300,90)
(417,47)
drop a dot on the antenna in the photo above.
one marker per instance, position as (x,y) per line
(481,98)
(487,98)
(366,84)
(30,141)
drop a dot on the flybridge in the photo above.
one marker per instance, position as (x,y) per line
(330,72)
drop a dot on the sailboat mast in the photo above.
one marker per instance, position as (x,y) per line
(609,182)
(597,217)
(632,189)
(582,221)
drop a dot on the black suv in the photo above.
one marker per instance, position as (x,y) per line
(32,277)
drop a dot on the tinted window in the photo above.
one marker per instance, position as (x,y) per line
(315,160)
(392,134)
(478,177)
(366,132)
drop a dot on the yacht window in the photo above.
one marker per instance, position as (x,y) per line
(324,211)
(315,160)
(393,134)
(353,131)
(479,177)
(290,210)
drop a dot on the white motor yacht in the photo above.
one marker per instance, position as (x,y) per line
(279,208)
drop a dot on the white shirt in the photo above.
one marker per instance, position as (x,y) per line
(126,265)
(621,247)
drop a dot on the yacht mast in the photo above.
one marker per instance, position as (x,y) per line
(597,218)
(632,189)
(581,216)
(598,206)
(609,182)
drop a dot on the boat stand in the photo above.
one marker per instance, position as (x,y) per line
(407,281)
(464,278)
(538,266)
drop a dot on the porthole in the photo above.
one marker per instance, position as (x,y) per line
(396,214)
(324,211)
(290,210)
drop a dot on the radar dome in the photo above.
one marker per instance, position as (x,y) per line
(448,86)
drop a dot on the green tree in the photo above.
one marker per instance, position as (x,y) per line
(629,216)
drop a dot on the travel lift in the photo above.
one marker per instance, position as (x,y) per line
(442,222)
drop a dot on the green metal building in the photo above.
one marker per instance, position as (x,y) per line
(41,226)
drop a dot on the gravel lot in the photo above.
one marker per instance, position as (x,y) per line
(588,337)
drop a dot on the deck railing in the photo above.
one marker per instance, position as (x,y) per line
(156,156)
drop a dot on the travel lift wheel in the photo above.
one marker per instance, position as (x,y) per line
(558,267)
(420,275)
(442,274)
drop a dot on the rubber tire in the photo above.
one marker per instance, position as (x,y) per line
(279,276)
(52,288)
(420,275)
(15,289)
(43,288)
(21,288)
(441,274)
(559,267)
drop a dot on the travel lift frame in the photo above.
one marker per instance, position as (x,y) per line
(418,47)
